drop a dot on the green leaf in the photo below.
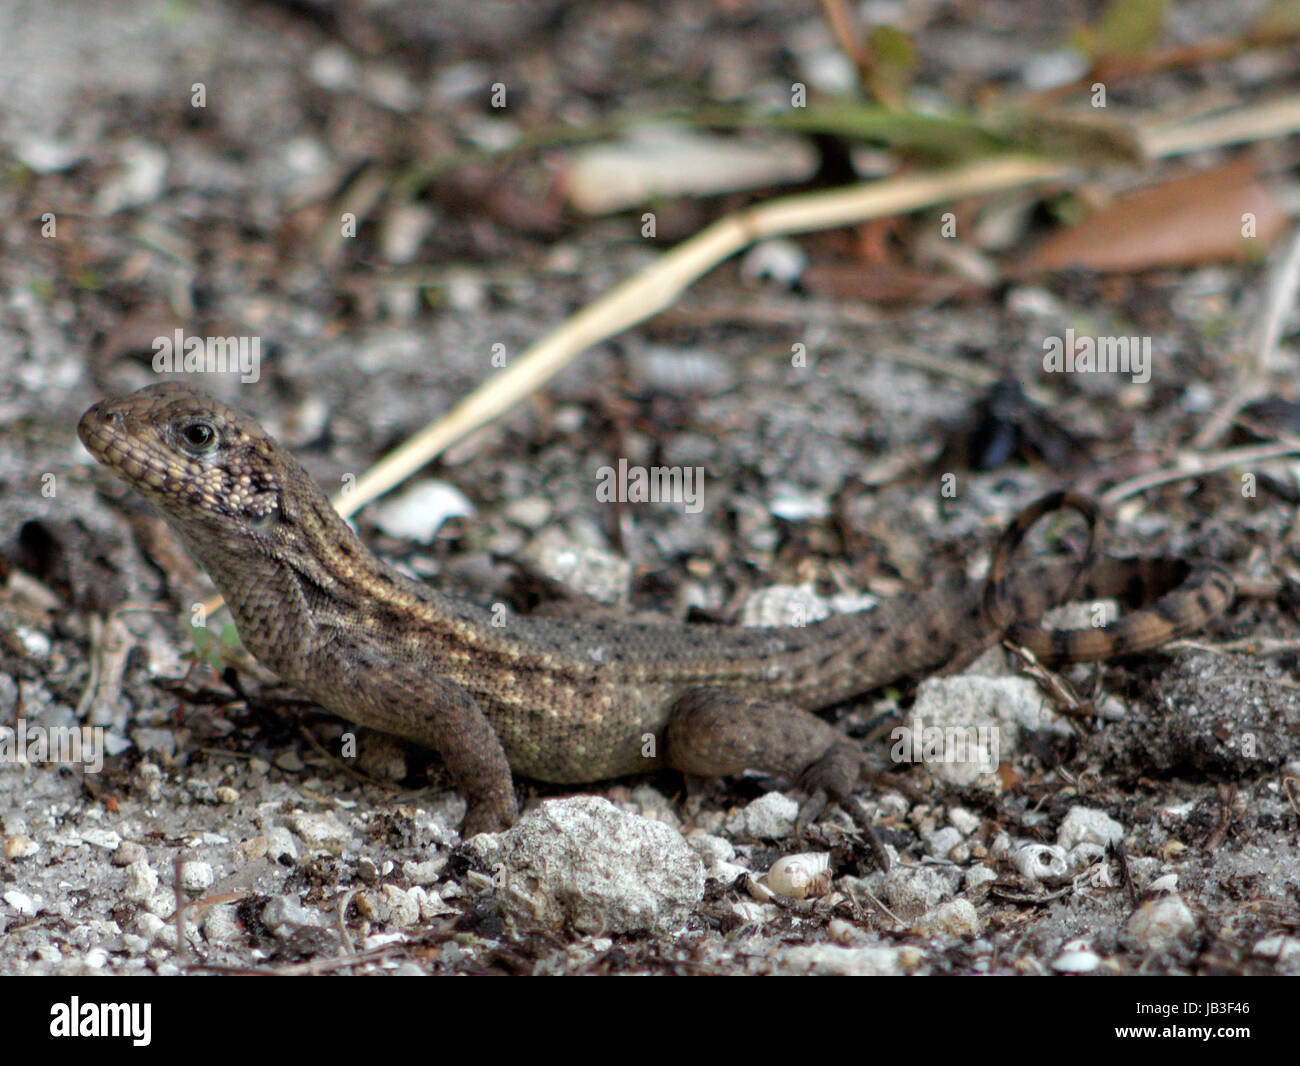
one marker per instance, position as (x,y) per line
(893,63)
(1129,27)
(209,645)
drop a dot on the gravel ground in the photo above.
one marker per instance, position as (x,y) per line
(1156,835)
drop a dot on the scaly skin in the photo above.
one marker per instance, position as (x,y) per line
(568,702)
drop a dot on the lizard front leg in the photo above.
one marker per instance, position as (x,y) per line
(437,713)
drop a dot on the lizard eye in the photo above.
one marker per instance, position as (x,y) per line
(198,437)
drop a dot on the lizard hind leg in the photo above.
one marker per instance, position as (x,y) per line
(714,733)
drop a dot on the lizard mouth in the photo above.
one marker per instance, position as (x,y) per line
(100,430)
(96,430)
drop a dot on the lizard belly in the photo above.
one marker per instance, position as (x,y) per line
(579,736)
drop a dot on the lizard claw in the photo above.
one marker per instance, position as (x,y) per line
(833,778)
(809,812)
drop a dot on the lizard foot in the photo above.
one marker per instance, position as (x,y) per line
(487,817)
(832,778)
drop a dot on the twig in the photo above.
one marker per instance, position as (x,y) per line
(1257,646)
(656,287)
(1279,301)
(837,16)
(1193,466)
(178,895)
(880,906)
(661,283)
(1258,122)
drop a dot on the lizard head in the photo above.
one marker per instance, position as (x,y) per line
(198,461)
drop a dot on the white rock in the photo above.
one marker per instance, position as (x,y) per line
(134,944)
(892,804)
(1032,301)
(466,291)
(710,848)
(149,926)
(770,817)
(150,739)
(583,864)
(1076,962)
(279,844)
(317,829)
(940,842)
(692,370)
(956,917)
(962,727)
(783,605)
(139,182)
(456,82)
(432,905)
(843,932)
(20,902)
(1085,824)
(1167,883)
(725,873)
(101,838)
(1002,845)
(46,155)
(404,228)
(780,259)
(580,561)
(753,912)
(141,881)
(220,924)
(911,891)
(1051,69)
(162,904)
(404,905)
(285,916)
(1283,948)
(833,960)
(196,876)
(1081,856)
(332,68)
(531,512)
(425,872)
(128,852)
(418,512)
(1161,923)
(115,743)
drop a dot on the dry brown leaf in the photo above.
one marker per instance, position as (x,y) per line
(1193,219)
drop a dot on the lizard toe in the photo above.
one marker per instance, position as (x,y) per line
(486,818)
(835,774)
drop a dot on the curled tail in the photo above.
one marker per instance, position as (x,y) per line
(1173,597)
